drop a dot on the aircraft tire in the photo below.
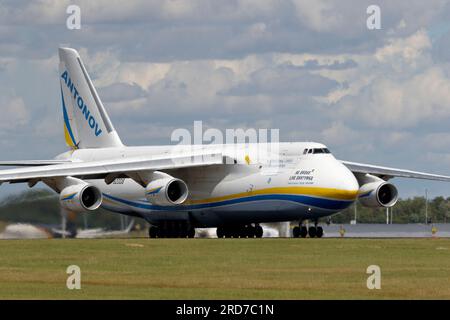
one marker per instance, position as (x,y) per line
(181,230)
(173,229)
(312,232)
(319,232)
(238,232)
(259,231)
(169,232)
(153,232)
(251,231)
(191,232)
(228,232)
(163,230)
(244,232)
(303,232)
(296,232)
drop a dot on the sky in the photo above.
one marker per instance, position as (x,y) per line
(309,68)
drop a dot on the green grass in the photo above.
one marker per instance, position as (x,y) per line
(225,268)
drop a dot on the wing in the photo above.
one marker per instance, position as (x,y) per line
(107,168)
(387,173)
(32,163)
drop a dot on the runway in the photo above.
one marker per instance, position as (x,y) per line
(442,230)
(388,230)
(282,230)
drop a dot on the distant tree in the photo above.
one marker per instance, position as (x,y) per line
(41,206)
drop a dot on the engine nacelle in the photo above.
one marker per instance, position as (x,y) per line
(81,197)
(378,194)
(166,190)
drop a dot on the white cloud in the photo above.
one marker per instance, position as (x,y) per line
(39,12)
(319,15)
(388,102)
(407,50)
(14,112)
(107,69)
(338,133)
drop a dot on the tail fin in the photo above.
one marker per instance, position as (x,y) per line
(86,123)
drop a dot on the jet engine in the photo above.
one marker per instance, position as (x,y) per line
(81,197)
(166,190)
(378,194)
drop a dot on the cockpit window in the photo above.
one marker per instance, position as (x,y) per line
(320,150)
(316,151)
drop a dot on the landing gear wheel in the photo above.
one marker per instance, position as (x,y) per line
(239,231)
(172,229)
(244,232)
(296,232)
(319,232)
(228,232)
(312,232)
(191,232)
(303,232)
(153,232)
(251,230)
(177,231)
(259,231)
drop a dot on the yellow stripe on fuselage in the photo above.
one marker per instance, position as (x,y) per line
(329,193)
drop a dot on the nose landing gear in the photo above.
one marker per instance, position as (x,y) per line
(312,231)
(300,232)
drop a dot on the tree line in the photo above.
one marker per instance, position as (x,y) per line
(41,206)
(411,210)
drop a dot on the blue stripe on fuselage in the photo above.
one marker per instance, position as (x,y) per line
(302,199)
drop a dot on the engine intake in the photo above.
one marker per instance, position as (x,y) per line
(378,194)
(81,197)
(167,190)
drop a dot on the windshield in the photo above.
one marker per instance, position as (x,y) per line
(316,151)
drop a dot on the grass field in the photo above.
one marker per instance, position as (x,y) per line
(225,268)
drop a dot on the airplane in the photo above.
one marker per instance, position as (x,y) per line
(42,231)
(223,186)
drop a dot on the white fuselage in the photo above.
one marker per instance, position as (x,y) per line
(261,184)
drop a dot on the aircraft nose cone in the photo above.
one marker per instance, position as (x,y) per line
(344,180)
(349,183)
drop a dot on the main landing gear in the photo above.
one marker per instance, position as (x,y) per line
(240,231)
(313,231)
(172,229)
(300,232)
